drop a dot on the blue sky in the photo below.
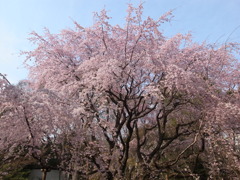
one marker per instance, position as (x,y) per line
(211,20)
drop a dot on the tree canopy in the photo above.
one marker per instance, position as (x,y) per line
(125,102)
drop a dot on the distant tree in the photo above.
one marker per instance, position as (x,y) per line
(30,130)
(141,105)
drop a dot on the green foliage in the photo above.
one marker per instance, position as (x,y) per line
(18,174)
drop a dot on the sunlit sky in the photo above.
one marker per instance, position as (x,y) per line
(210,20)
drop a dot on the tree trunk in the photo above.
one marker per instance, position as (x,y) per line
(44,174)
(75,175)
(166,177)
(108,175)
